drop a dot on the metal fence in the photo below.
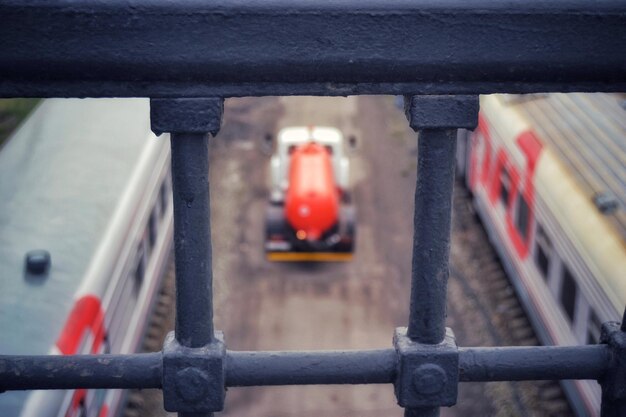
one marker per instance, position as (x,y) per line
(188,56)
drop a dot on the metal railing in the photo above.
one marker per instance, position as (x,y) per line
(188,56)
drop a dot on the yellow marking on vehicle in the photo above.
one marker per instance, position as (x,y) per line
(309,256)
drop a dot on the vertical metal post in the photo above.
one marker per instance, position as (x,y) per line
(190,121)
(192,239)
(431,238)
(613,382)
(421,412)
(437,118)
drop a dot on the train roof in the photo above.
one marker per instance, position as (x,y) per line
(62,173)
(587,133)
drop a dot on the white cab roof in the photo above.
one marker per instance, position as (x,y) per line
(326,135)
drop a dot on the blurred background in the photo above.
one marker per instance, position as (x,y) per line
(356,302)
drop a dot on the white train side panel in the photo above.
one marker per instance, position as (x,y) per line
(563,258)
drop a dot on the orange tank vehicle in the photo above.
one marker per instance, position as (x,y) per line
(312,201)
(310,216)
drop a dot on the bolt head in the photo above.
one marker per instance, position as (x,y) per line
(429,379)
(192,384)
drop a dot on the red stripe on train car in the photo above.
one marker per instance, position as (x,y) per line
(87,314)
(77,399)
(104,411)
(483,127)
(531,146)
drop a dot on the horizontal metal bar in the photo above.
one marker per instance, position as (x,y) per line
(379,366)
(533,363)
(286,47)
(80,371)
(301,368)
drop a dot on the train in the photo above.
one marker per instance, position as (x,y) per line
(547,176)
(85,239)
(310,215)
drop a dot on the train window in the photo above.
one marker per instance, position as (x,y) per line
(568,293)
(505,186)
(521,219)
(139,270)
(543,251)
(152,228)
(593,329)
(163,196)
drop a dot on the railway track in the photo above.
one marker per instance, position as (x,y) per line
(492,296)
(483,308)
(139,402)
(476,270)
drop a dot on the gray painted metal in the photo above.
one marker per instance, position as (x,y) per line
(142,370)
(193,378)
(244,48)
(428,374)
(422,412)
(187,115)
(431,239)
(193,356)
(614,381)
(242,369)
(533,363)
(298,368)
(192,243)
(146,48)
(432,359)
(442,112)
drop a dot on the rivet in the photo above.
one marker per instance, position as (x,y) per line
(429,379)
(192,384)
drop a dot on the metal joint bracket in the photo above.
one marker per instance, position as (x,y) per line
(441,112)
(186,115)
(194,378)
(428,375)
(614,381)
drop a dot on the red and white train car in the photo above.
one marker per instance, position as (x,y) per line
(548,178)
(88,183)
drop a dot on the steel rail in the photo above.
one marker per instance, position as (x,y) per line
(287,47)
